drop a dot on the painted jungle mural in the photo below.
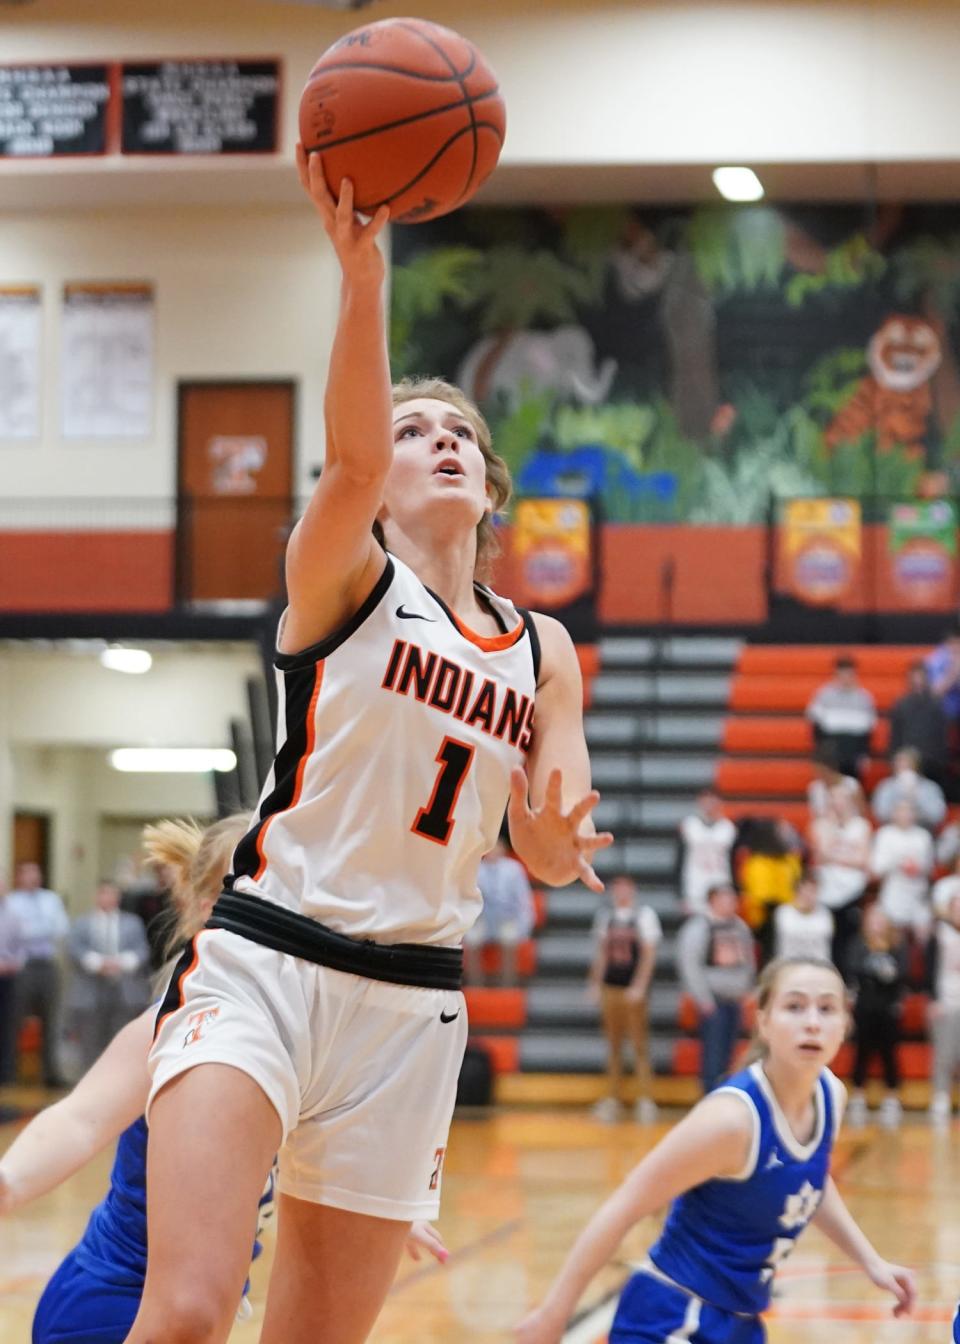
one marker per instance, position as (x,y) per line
(691,365)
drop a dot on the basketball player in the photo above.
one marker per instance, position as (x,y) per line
(94,1295)
(319,1012)
(746,1170)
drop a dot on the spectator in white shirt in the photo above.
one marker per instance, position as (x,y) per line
(943,983)
(826,778)
(841,858)
(803,927)
(944,890)
(110,985)
(843,713)
(903,860)
(45,925)
(508,915)
(12,956)
(704,847)
(625,939)
(907,785)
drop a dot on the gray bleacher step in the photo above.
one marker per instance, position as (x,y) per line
(640,859)
(581,1052)
(693,651)
(663,688)
(568,953)
(653,770)
(567,1004)
(576,906)
(628,815)
(652,729)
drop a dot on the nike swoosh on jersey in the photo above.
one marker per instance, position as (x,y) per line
(412,615)
(451,1018)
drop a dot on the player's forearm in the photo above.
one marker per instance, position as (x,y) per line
(836,1221)
(593,1248)
(53,1146)
(358,404)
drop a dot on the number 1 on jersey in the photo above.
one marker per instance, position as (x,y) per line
(435,821)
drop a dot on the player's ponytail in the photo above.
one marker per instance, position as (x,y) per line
(766,988)
(198,860)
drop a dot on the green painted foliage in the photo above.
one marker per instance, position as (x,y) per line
(737,249)
(852,264)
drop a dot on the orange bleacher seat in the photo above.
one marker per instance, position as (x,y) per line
(778,735)
(539,907)
(762,777)
(496,1007)
(914,1057)
(792,694)
(688,1015)
(818,659)
(686,1056)
(504,1051)
(798,814)
(913,1020)
(526,958)
(588,656)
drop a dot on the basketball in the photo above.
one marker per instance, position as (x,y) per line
(410,112)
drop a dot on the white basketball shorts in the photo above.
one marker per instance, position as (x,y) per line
(362,1073)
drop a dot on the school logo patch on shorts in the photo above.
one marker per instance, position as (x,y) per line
(438,1157)
(196,1023)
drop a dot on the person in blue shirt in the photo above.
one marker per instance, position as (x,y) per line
(746,1171)
(94,1295)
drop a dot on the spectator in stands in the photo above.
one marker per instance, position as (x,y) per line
(826,778)
(767,875)
(508,915)
(943,985)
(45,926)
(877,977)
(943,669)
(918,720)
(12,956)
(717,969)
(625,939)
(804,927)
(948,845)
(704,849)
(840,842)
(944,890)
(902,858)
(843,713)
(907,785)
(110,957)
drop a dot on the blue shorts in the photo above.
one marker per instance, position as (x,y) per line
(956,1327)
(80,1307)
(653,1312)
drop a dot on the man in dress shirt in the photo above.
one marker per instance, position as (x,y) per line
(12,956)
(109,954)
(44,923)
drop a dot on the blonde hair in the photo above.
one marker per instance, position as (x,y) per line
(198,859)
(499,484)
(767,983)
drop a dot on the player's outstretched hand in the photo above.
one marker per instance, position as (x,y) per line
(547,839)
(425,1237)
(897,1280)
(354,239)
(539,1327)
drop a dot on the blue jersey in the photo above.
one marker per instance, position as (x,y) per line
(114,1245)
(723,1240)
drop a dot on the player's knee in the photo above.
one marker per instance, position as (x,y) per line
(189,1317)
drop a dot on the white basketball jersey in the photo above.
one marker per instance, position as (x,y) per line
(396,739)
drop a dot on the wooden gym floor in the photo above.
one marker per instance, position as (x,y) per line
(520,1182)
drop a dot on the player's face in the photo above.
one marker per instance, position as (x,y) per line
(805,1021)
(436,457)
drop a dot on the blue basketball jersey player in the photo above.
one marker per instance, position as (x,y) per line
(94,1295)
(746,1171)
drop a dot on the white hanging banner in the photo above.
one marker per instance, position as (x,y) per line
(21,322)
(107,361)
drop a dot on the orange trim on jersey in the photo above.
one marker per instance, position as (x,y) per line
(195,944)
(488,643)
(301,768)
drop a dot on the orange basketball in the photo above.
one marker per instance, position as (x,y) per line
(410,112)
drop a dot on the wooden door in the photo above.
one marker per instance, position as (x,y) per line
(31,840)
(235,489)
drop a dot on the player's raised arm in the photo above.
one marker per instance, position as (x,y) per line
(332,558)
(551,829)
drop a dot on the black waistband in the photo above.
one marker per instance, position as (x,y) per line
(274,926)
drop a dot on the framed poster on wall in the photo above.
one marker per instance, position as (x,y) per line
(107,361)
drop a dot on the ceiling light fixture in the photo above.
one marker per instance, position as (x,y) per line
(738,184)
(126,660)
(172,760)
